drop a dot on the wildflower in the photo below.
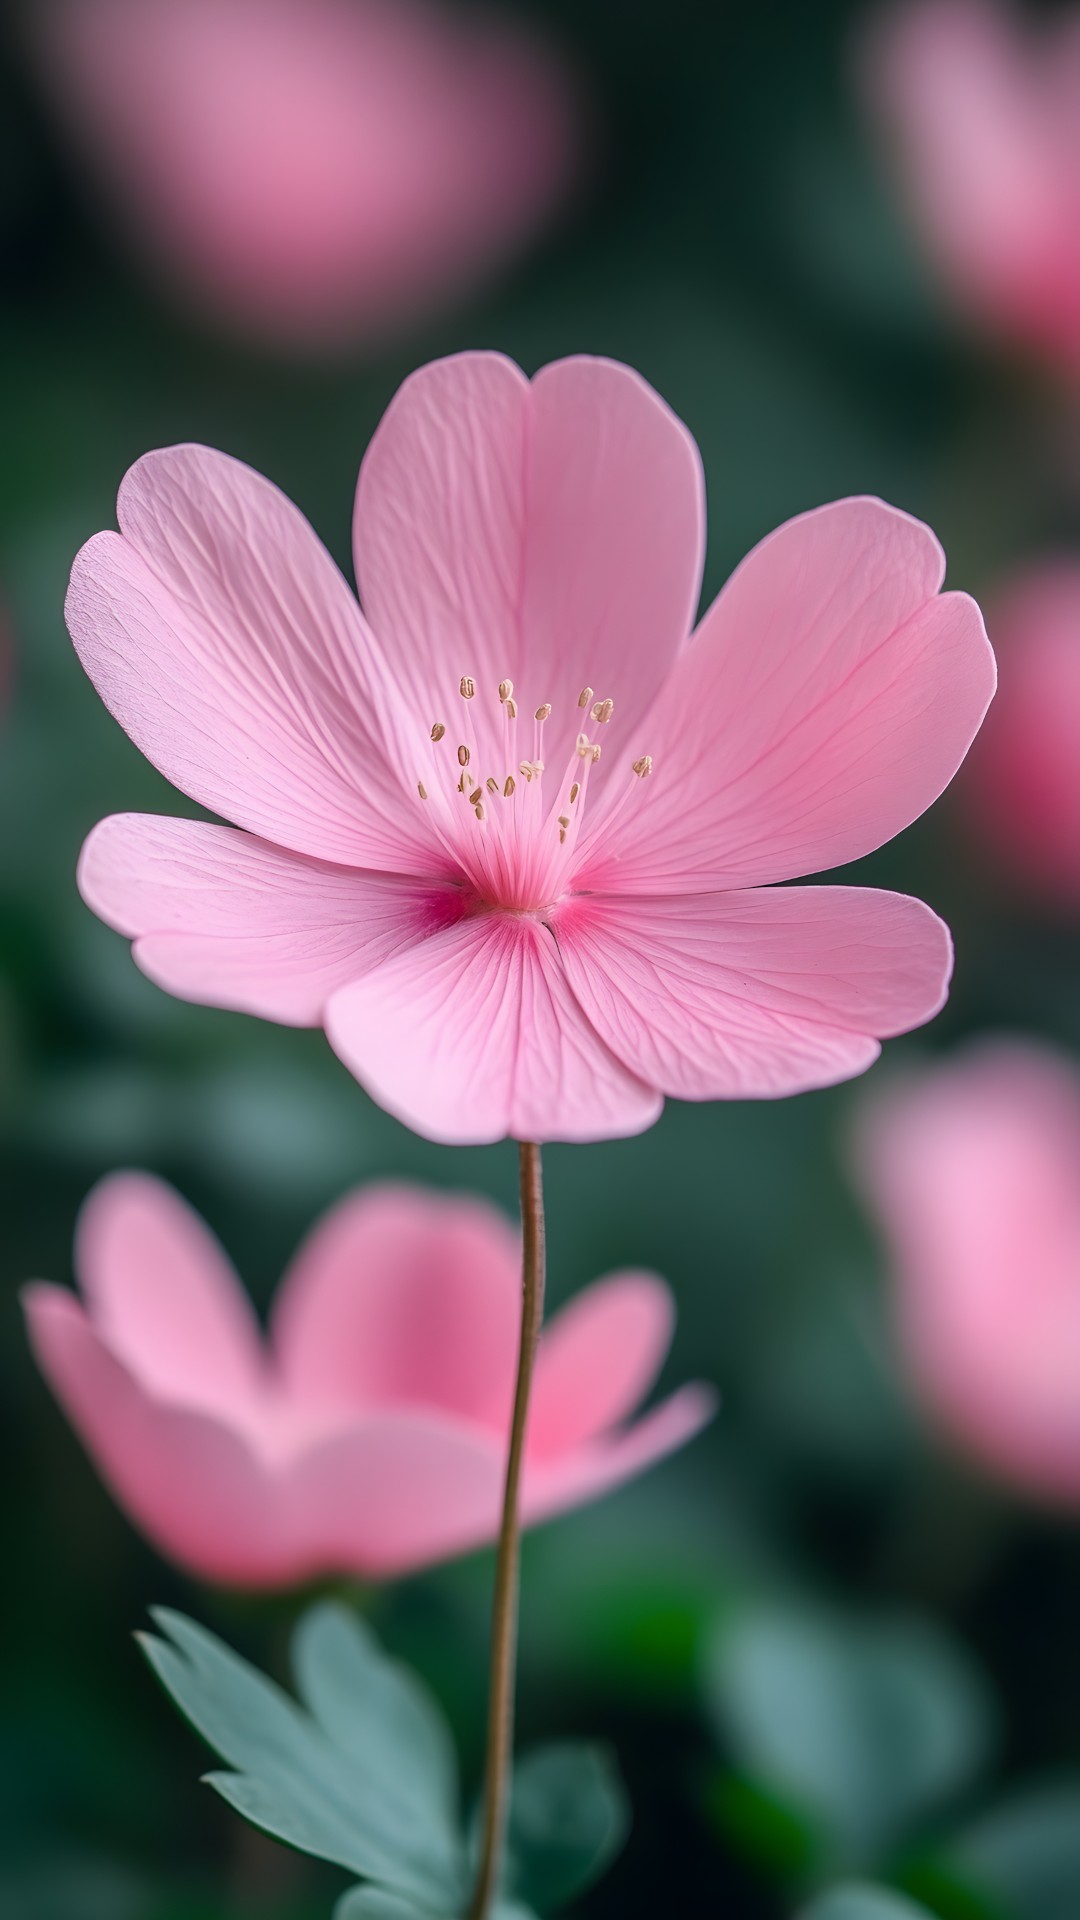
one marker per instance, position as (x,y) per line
(522,962)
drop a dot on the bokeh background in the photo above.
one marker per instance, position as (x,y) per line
(728,228)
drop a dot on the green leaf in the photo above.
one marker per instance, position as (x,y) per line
(364,1778)
(857,1902)
(569,1817)
(1024,1855)
(374,1903)
(863,1725)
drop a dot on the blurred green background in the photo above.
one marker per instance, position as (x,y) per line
(734,242)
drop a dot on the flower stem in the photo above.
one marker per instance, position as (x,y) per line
(500,1733)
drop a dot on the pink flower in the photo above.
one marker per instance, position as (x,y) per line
(973,1171)
(368,1435)
(314,170)
(1022,788)
(503,932)
(983,111)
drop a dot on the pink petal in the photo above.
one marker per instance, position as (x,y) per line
(187,1480)
(828,697)
(228,920)
(574,1478)
(475,1035)
(397,1492)
(972,1169)
(220,634)
(598,1358)
(757,994)
(164,1296)
(390,1495)
(551,532)
(402,1297)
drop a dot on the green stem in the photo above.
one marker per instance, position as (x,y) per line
(500,1732)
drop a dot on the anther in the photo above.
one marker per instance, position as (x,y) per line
(584,698)
(511,709)
(603,711)
(574,791)
(491,784)
(467,686)
(509,787)
(438,730)
(476,797)
(479,811)
(421,789)
(564,821)
(543,712)
(506,688)
(587,749)
(463,756)
(643,766)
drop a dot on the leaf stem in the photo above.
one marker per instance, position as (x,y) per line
(500,1733)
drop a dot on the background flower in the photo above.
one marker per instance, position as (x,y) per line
(369,1435)
(982,106)
(1022,787)
(315,172)
(972,1169)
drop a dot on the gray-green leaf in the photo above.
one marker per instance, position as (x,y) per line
(1025,1854)
(862,1725)
(858,1902)
(365,1778)
(569,1817)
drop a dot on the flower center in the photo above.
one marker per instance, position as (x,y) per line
(509,819)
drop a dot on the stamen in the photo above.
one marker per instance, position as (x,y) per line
(510,787)
(563,825)
(543,712)
(467,688)
(438,730)
(574,791)
(479,811)
(643,767)
(603,711)
(531,769)
(421,789)
(506,688)
(587,749)
(463,756)
(491,784)
(511,709)
(584,698)
(475,798)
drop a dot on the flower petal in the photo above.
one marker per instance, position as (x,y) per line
(474,1035)
(183,1476)
(827,699)
(403,1297)
(755,994)
(393,1494)
(598,1357)
(228,920)
(164,1296)
(574,1478)
(551,532)
(218,631)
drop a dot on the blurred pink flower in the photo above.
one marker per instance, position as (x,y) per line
(973,1171)
(314,170)
(368,1435)
(502,932)
(1022,786)
(983,111)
